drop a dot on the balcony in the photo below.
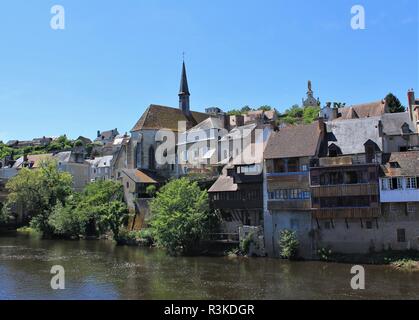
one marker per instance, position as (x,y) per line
(364,189)
(289,205)
(347,213)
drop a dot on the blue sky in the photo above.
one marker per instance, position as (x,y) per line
(116,57)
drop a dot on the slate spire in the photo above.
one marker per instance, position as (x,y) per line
(184,93)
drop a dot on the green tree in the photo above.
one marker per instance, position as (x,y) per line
(265,108)
(246,109)
(181,216)
(394,104)
(61,143)
(151,190)
(289,244)
(38,191)
(5,150)
(68,221)
(101,203)
(310,114)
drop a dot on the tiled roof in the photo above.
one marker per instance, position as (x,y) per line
(34,159)
(160,117)
(143,176)
(365,110)
(224,184)
(294,141)
(350,135)
(393,123)
(407,164)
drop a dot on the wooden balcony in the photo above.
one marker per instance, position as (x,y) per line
(347,213)
(237,204)
(367,189)
(289,205)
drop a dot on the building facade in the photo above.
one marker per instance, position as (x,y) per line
(289,154)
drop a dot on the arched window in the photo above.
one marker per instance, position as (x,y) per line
(151,159)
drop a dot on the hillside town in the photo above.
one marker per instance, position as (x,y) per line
(347,181)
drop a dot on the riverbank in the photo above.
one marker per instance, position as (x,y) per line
(398,260)
(407,261)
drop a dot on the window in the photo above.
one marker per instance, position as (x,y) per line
(385,183)
(411,207)
(368,224)
(394,165)
(401,235)
(396,183)
(304,168)
(399,183)
(411,183)
(293,165)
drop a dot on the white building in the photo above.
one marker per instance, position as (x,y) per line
(100,168)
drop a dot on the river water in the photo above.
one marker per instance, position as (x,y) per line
(100,270)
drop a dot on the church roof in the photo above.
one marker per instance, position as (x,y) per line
(184,88)
(158,117)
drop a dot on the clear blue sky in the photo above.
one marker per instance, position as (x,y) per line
(116,57)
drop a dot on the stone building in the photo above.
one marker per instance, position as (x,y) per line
(238,192)
(399,196)
(289,154)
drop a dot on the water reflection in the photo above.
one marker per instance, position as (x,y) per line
(100,270)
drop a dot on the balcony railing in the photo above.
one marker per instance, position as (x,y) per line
(364,189)
(285,174)
(347,213)
(289,205)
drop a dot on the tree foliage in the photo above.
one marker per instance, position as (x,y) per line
(181,216)
(246,109)
(299,115)
(394,104)
(38,191)
(99,205)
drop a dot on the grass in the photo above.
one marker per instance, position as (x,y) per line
(26,230)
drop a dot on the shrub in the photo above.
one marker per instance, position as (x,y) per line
(289,244)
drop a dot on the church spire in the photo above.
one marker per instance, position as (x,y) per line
(184,93)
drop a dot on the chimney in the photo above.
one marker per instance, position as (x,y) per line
(411,97)
(320,122)
(98,133)
(236,121)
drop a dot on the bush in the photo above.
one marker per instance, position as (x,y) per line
(246,243)
(289,244)
(180,216)
(68,221)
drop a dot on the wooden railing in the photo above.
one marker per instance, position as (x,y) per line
(289,205)
(345,190)
(347,213)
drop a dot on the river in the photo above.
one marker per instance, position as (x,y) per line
(101,270)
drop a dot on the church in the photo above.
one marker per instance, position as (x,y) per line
(135,164)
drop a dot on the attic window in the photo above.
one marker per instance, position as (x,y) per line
(394,165)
